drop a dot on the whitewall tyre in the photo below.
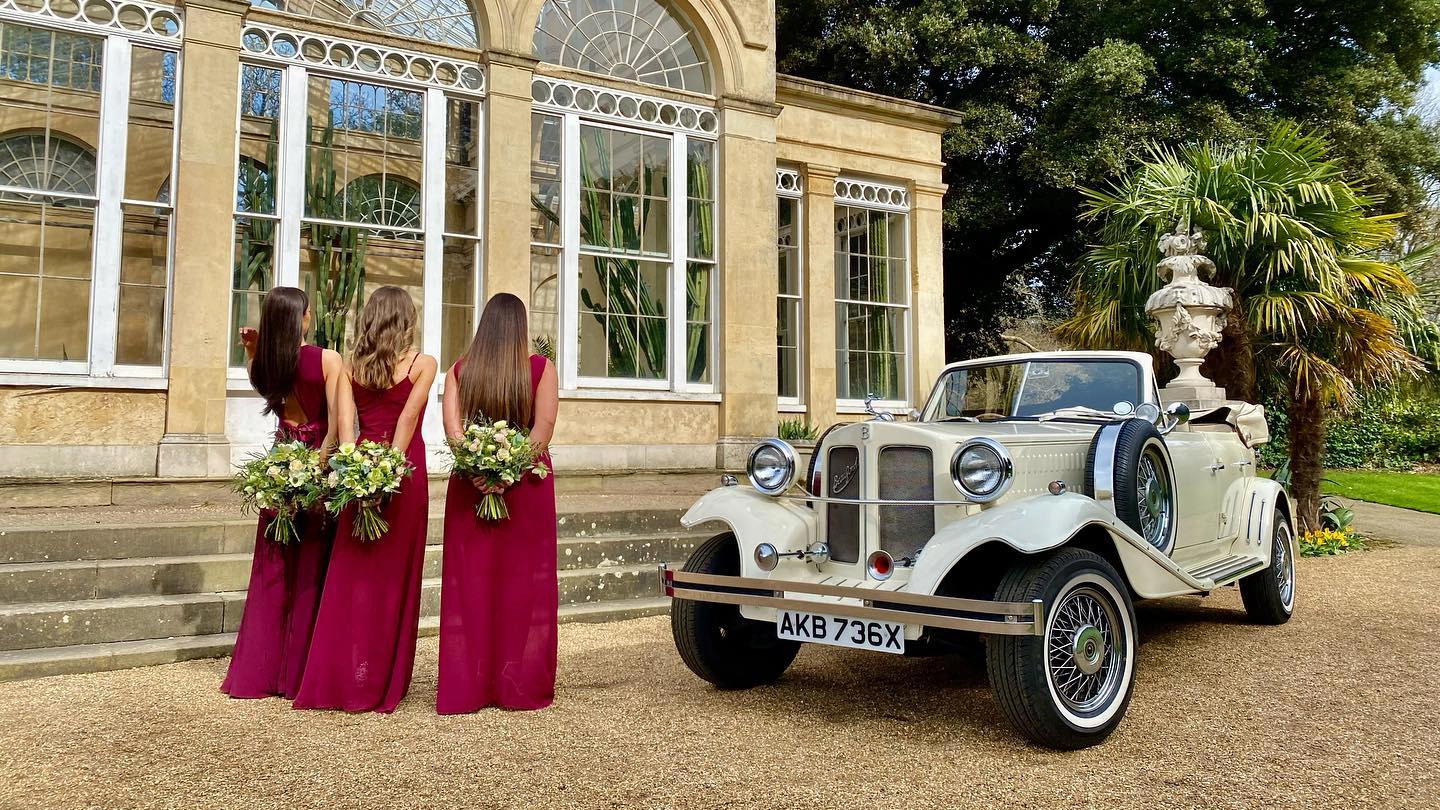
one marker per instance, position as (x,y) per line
(1269,594)
(1069,688)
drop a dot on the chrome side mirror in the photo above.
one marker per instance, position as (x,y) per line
(879,416)
(1176,415)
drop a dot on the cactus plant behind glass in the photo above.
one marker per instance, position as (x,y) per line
(337,252)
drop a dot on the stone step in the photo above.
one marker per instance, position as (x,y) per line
(72,581)
(152,492)
(33,625)
(83,658)
(99,536)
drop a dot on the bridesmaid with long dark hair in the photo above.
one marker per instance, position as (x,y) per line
(499,595)
(298,382)
(363,652)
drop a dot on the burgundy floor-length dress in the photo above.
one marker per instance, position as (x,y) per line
(285,579)
(499,596)
(363,652)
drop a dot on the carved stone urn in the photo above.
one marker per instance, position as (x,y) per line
(1189,317)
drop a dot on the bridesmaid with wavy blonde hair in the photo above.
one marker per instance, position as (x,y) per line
(363,650)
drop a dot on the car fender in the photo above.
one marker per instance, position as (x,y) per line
(754,519)
(1255,507)
(1041,523)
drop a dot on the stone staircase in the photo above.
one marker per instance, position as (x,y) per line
(138,573)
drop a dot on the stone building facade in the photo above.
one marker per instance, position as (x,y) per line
(705,246)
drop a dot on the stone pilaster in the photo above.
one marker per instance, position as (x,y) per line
(819,259)
(927,299)
(746,324)
(507,175)
(194,443)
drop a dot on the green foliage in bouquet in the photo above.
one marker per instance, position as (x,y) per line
(496,455)
(287,479)
(366,474)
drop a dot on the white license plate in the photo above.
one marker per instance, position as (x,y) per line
(860,634)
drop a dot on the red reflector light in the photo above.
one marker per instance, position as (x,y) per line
(880,565)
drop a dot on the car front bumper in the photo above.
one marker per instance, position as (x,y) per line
(954,613)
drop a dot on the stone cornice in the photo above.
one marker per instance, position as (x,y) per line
(834,98)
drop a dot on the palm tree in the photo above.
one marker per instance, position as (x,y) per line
(1322,311)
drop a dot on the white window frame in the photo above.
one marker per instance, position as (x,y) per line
(161,30)
(790,186)
(290,218)
(877,195)
(579,105)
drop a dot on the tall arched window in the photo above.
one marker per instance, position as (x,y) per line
(638,40)
(33,161)
(448,21)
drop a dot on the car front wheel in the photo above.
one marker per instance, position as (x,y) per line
(1069,688)
(714,640)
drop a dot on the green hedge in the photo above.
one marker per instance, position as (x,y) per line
(1387,431)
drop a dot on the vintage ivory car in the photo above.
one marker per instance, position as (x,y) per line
(1035,498)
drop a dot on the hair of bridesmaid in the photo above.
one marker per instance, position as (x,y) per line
(277,349)
(495,373)
(386,333)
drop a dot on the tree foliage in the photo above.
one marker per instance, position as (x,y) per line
(1055,96)
(1320,314)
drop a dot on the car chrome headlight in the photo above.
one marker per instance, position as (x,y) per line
(982,470)
(771,468)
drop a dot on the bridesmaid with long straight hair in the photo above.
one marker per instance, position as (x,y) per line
(363,651)
(499,595)
(298,382)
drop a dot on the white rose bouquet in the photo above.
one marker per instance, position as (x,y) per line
(495,455)
(367,475)
(286,480)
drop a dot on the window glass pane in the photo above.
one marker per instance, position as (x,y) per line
(462,166)
(144,253)
(253,274)
(367,133)
(259,163)
(699,290)
(340,265)
(546,148)
(149,146)
(48,58)
(636,40)
(701,211)
(623,325)
(544,295)
(457,319)
(45,279)
(870,351)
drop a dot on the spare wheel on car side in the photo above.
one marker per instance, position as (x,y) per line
(1128,469)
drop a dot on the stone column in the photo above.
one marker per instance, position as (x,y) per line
(927,294)
(819,304)
(507,175)
(195,444)
(745,331)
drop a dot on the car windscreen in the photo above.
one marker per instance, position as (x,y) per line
(1032,388)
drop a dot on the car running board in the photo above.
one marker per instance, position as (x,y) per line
(1227,569)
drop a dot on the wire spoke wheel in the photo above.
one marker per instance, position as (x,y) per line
(1153,494)
(1084,651)
(1284,564)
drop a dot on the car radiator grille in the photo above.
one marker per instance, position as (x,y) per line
(842,521)
(906,474)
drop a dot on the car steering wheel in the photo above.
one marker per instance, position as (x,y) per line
(991,416)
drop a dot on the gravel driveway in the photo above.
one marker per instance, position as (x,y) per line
(1338,708)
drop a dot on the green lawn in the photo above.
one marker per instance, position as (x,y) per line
(1408,490)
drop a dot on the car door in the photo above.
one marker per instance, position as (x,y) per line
(1234,462)
(1198,488)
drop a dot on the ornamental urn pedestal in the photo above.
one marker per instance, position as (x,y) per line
(1190,316)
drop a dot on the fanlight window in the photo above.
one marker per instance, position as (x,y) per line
(448,21)
(31,160)
(638,40)
(383,200)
